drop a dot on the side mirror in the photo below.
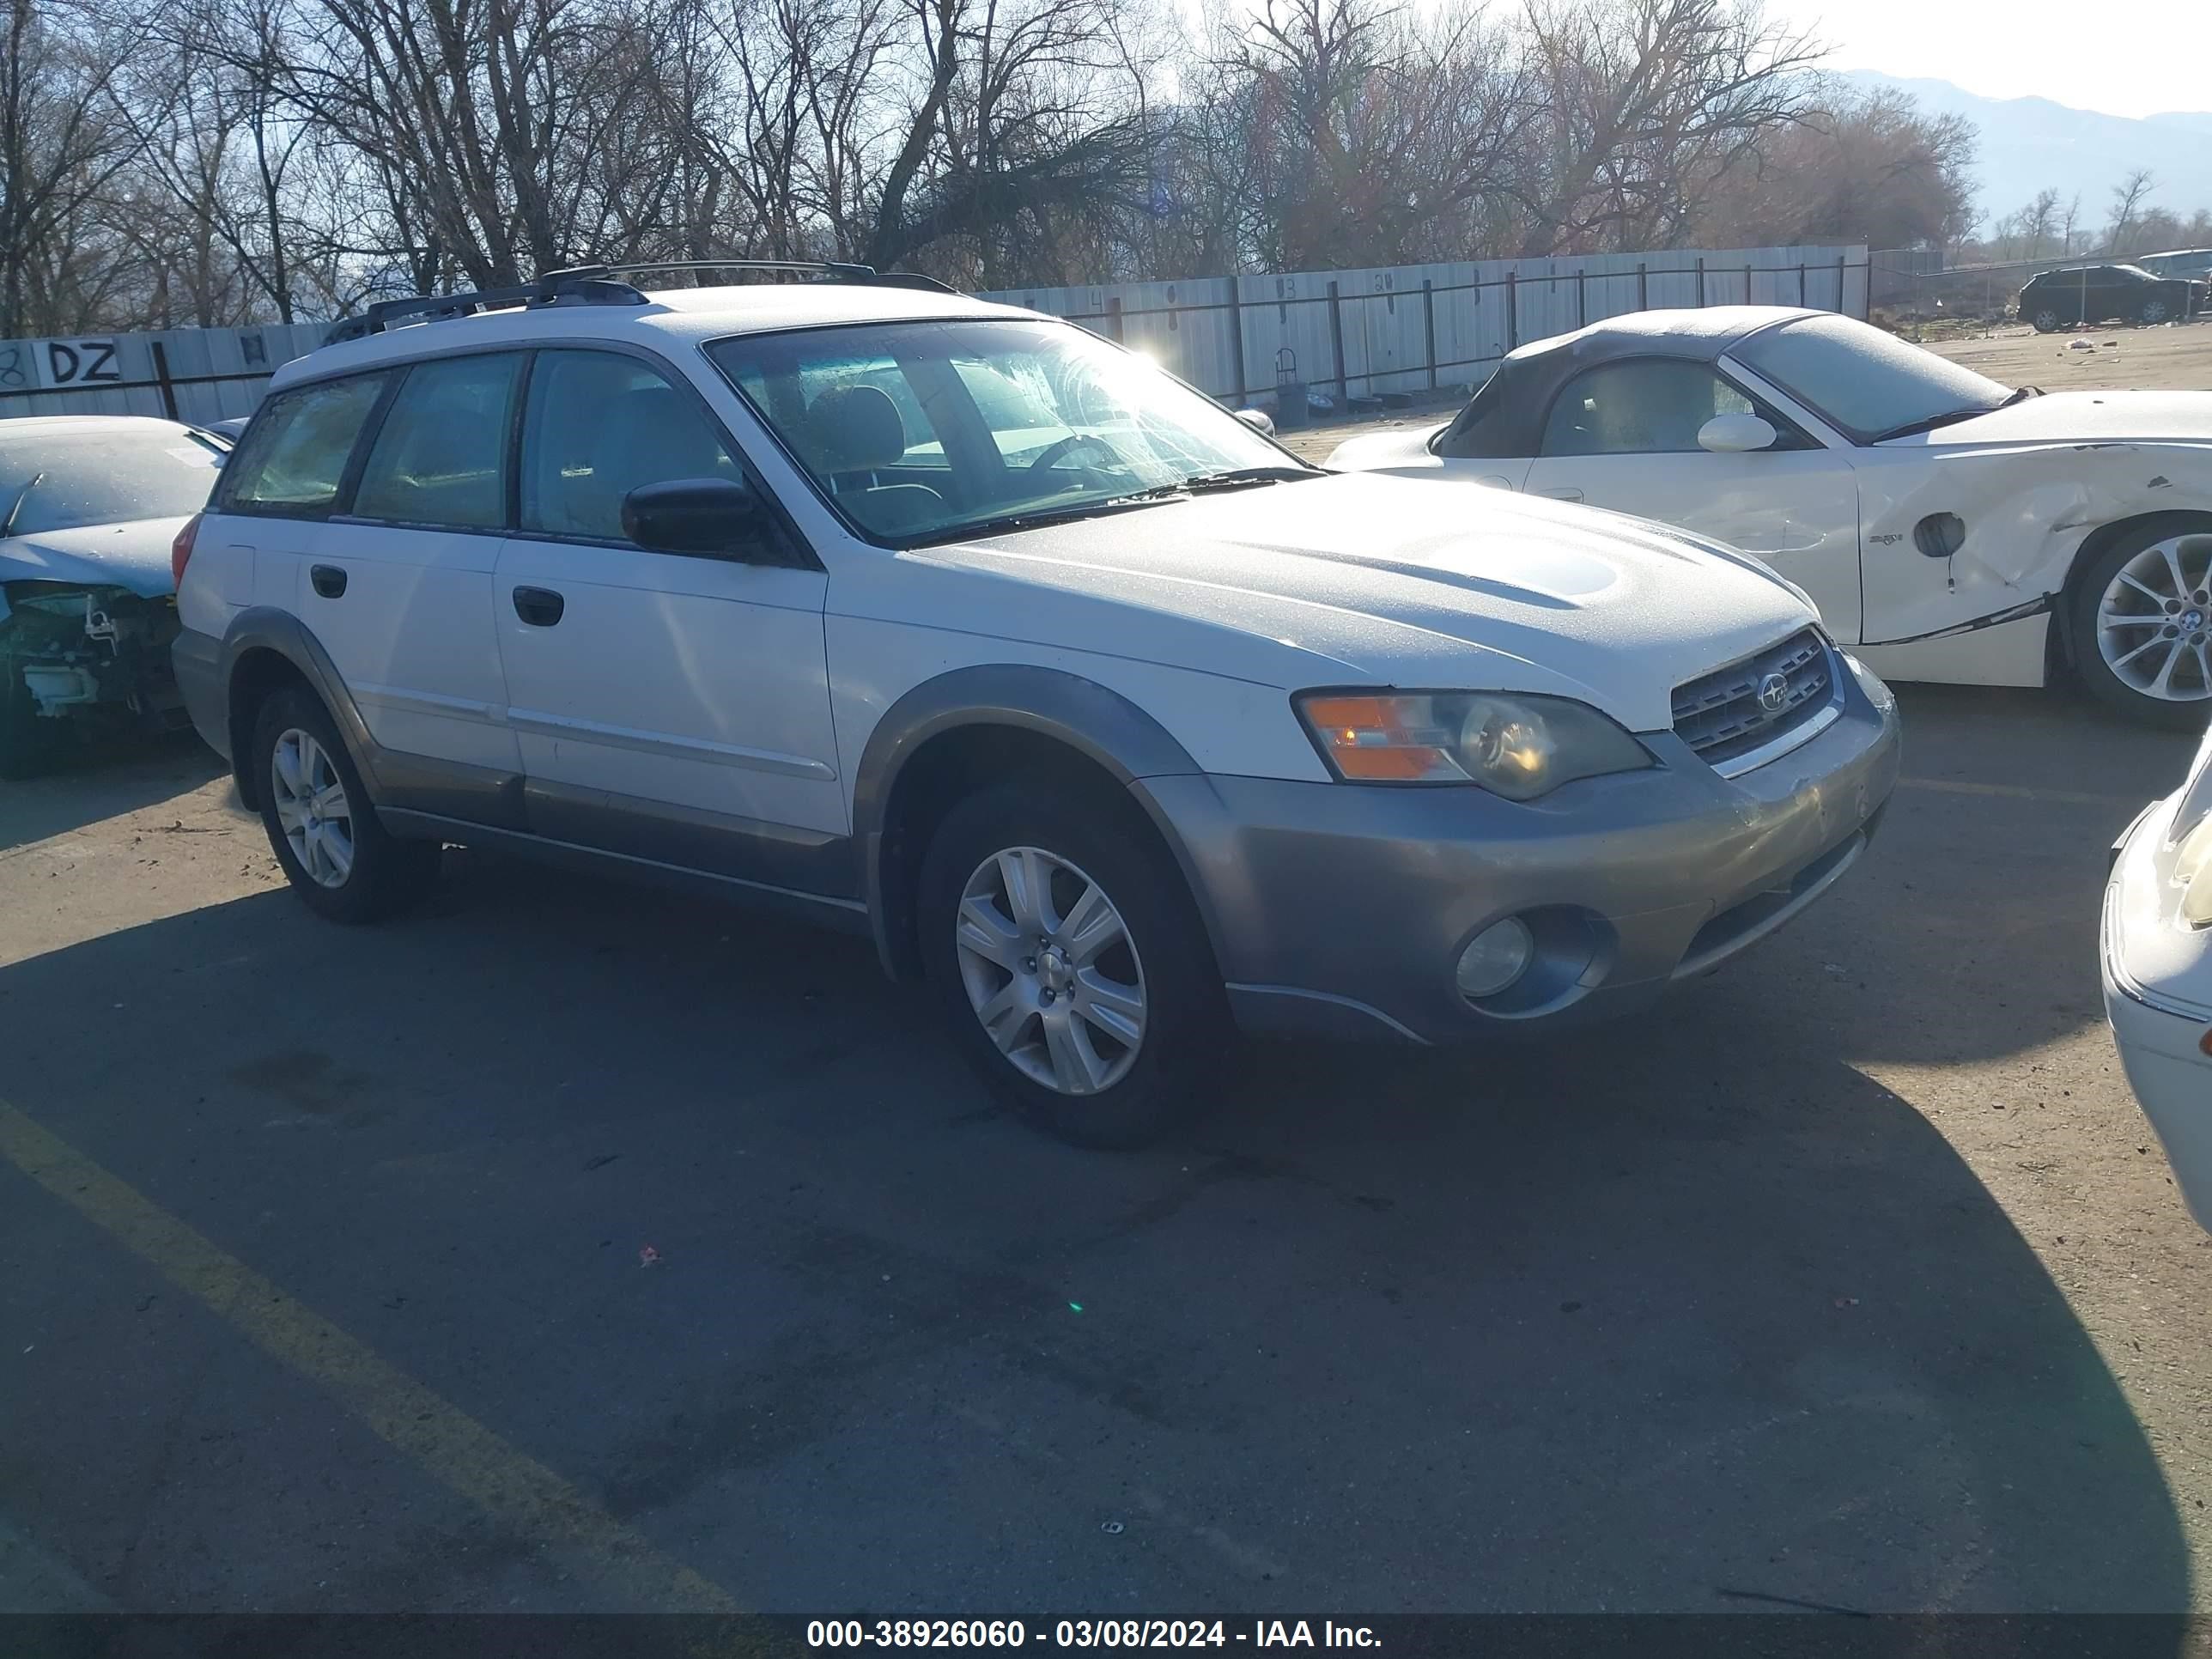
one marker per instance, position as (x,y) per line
(692,515)
(1735,434)
(1258,419)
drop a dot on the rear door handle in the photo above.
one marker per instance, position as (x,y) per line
(541,607)
(330,581)
(1563,494)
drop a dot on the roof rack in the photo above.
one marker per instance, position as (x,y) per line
(584,286)
(599,285)
(831,271)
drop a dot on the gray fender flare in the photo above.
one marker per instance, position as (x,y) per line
(1096,722)
(264,627)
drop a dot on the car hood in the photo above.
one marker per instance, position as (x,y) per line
(1395,448)
(2081,417)
(133,556)
(1364,578)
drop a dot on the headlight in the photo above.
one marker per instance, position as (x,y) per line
(2192,873)
(1513,745)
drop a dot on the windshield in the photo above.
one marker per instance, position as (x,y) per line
(1867,384)
(926,431)
(76,479)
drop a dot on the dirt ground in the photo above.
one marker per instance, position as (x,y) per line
(2175,357)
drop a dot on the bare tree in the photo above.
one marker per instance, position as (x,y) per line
(2128,197)
(62,141)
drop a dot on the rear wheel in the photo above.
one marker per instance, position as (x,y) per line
(2046,318)
(334,850)
(1070,963)
(2141,622)
(2152,312)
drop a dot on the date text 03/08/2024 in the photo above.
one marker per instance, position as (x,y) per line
(1086,1633)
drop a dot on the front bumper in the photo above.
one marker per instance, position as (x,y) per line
(1341,911)
(2158,1032)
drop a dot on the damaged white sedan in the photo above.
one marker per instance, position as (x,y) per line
(1949,528)
(89,505)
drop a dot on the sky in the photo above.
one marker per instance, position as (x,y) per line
(2155,63)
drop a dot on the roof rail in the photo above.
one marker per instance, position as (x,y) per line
(831,271)
(589,287)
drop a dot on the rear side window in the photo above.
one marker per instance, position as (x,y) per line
(600,425)
(440,457)
(295,458)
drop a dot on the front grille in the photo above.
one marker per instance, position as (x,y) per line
(1721,716)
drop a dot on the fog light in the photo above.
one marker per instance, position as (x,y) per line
(1499,954)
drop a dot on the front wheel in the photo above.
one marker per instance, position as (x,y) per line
(2141,624)
(333,849)
(1070,962)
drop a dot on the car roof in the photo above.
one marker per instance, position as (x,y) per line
(668,318)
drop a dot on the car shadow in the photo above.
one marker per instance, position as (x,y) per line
(1686,1315)
(104,782)
(1969,930)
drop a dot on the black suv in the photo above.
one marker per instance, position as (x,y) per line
(2095,294)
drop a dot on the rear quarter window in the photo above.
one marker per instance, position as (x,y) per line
(294,459)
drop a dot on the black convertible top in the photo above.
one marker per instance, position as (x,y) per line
(1506,415)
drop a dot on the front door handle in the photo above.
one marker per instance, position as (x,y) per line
(541,607)
(1563,494)
(330,581)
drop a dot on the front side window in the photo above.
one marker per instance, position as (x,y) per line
(1867,384)
(600,424)
(294,456)
(926,431)
(440,457)
(1646,406)
(67,481)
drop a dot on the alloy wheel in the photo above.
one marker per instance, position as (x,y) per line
(1051,971)
(312,808)
(2155,621)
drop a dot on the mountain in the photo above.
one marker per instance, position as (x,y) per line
(2029,143)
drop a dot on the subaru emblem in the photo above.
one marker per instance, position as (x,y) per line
(1773,692)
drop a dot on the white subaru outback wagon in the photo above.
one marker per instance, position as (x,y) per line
(959,627)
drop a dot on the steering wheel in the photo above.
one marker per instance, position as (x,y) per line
(1052,451)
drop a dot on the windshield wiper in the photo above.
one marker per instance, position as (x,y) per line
(1243,477)
(7,524)
(1927,424)
(1031,519)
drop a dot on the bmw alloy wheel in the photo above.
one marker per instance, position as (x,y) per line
(1051,971)
(312,807)
(2155,621)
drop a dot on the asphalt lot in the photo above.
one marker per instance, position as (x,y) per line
(1851,1276)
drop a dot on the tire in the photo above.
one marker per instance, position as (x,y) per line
(2045,320)
(2152,312)
(344,862)
(1077,839)
(2143,645)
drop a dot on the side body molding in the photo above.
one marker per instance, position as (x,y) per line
(394,780)
(1096,722)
